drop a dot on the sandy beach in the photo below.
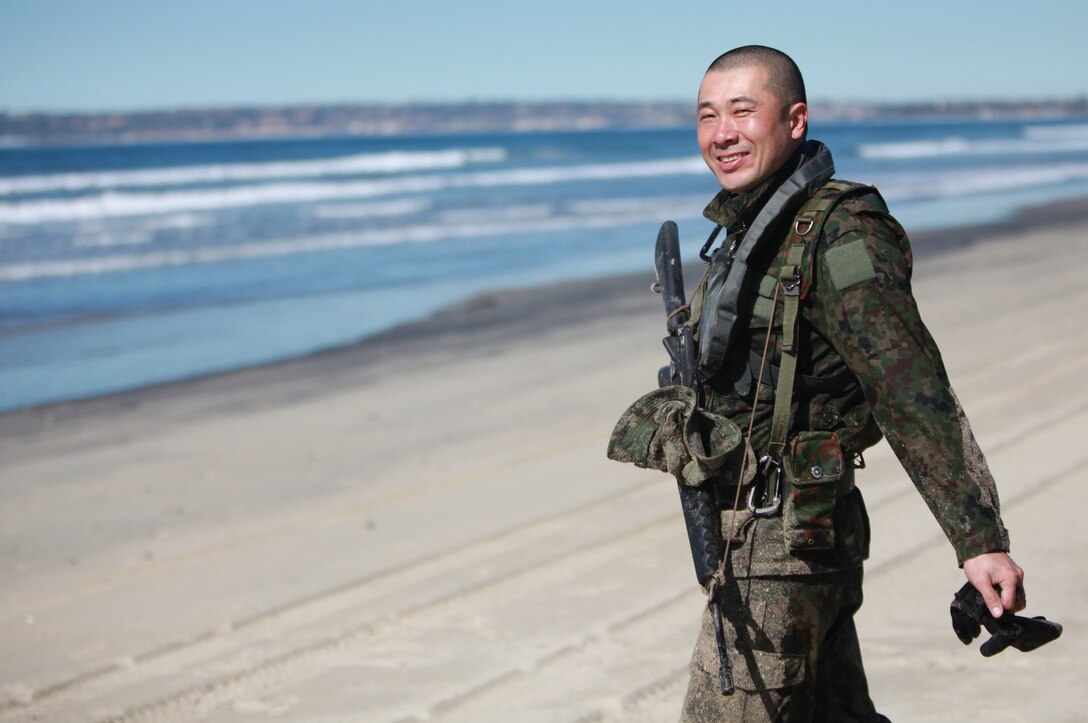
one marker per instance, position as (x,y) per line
(424,526)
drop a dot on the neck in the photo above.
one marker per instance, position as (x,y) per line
(731,209)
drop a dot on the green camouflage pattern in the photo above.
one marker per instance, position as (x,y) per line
(859,311)
(812,466)
(666,431)
(794,652)
(759,548)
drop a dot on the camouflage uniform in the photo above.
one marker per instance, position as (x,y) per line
(790,614)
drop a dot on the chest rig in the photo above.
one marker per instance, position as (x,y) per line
(796,274)
(795,280)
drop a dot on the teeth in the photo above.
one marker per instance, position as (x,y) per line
(730,159)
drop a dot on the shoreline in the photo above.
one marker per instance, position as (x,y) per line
(311,539)
(479,325)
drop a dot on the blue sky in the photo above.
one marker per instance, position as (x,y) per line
(152,54)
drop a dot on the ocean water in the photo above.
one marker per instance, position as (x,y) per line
(126,266)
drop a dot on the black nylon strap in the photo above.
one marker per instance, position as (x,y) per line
(729,284)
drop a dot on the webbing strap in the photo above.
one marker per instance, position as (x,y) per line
(794,284)
(790,279)
(807,226)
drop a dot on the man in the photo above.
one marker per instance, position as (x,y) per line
(865,366)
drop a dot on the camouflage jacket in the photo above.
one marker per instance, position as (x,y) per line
(859,314)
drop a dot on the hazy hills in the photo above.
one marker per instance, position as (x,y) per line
(422,119)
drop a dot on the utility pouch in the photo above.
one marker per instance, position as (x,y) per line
(813,465)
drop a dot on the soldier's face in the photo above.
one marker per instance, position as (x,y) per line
(743,133)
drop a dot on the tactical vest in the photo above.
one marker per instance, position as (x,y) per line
(796,277)
(795,282)
(802,240)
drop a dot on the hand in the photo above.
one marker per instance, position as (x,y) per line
(997,568)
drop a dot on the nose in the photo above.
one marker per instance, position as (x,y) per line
(726,132)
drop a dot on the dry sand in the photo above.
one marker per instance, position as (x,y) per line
(425,528)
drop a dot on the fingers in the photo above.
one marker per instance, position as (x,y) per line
(995,645)
(1008,596)
(1010,578)
(993,603)
(997,568)
(1013,596)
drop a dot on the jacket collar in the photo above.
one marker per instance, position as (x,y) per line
(730,209)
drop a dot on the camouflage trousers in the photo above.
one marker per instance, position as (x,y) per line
(794,652)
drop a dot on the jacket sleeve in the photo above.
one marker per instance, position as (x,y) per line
(863,304)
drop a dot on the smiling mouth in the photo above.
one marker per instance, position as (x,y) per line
(730,160)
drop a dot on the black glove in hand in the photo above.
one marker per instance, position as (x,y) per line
(969,616)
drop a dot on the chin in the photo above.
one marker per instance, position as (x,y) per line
(737,186)
(738,182)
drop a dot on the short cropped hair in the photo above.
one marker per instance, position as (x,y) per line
(785,79)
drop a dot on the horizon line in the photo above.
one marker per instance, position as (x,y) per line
(558,100)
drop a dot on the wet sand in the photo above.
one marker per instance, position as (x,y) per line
(424,526)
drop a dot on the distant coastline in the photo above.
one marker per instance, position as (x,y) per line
(413,119)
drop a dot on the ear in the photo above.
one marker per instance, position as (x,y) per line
(798,116)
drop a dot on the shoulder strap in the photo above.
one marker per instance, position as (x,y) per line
(796,280)
(809,222)
(728,277)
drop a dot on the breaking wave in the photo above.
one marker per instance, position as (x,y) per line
(529,219)
(924,185)
(121,203)
(363,163)
(1035,140)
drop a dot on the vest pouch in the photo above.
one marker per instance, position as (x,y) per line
(813,464)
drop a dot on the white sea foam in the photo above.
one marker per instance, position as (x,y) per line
(632,211)
(501,213)
(104,239)
(99,233)
(1038,139)
(967,182)
(122,203)
(388,162)
(684,205)
(178,221)
(402,207)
